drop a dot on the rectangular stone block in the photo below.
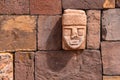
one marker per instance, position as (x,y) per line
(118,3)
(6,66)
(93,29)
(17,33)
(49,33)
(111,77)
(68,65)
(24,66)
(110,24)
(45,7)
(88,4)
(110,56)
(14,6)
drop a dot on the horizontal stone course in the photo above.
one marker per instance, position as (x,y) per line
(68,65)
(111,77)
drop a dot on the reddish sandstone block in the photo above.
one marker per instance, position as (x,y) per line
(111,77)
(68,65)
(17,33)
(110,57)
(45,7)
(117,3)
(93,32)
(24,66)
(49,33)
(14,6)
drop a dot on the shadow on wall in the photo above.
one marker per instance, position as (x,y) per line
(54,40)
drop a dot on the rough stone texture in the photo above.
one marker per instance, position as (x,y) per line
(45,7)
(17,33)
(49,33)
(110,57)
(74,29)
(24,66)
(14,6)
(68,65)
(117,3)
(93,29)
(111,77)
(109,4)
(83,4)
(110,24)
(6,66)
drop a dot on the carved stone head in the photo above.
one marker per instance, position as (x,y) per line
(74,29)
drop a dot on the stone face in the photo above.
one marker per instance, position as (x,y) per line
(24,66)
(74,29)
(68,65)
(117,3)
(110,57)
(110,24)
(18,33)
(14,6)
(93,32)
(45,7)
(6,66)
(111,77)
(83,4)
(49,33)
(109,4)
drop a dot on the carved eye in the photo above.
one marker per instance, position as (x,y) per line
(67,32)
(80,32)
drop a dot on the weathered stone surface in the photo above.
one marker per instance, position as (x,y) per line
(111,77)
(14,6)
(110,57)
(109,4)
(49,33)
(17,33)
(24,66)
(6,66)
(93,32)
(68,65)
(83,4)
(117,3)
(74,29)
(110,24)
(45,7)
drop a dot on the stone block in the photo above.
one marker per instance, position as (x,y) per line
(6,66)
(68,65)
(74,29)
(49,33)
(93,29)
(45,7)
(18,33)
(109,4)
(110,56)
(14,6)
(117,3)
(24,66)
(110,24)
(111,77)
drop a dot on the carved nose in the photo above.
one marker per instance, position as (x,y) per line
(74,33)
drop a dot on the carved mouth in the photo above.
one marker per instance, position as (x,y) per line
(74,42)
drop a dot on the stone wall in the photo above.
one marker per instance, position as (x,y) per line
(31,41)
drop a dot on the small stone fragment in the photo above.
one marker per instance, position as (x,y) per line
(109,4)
(111,77)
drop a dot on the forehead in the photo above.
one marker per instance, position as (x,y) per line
(74,26)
